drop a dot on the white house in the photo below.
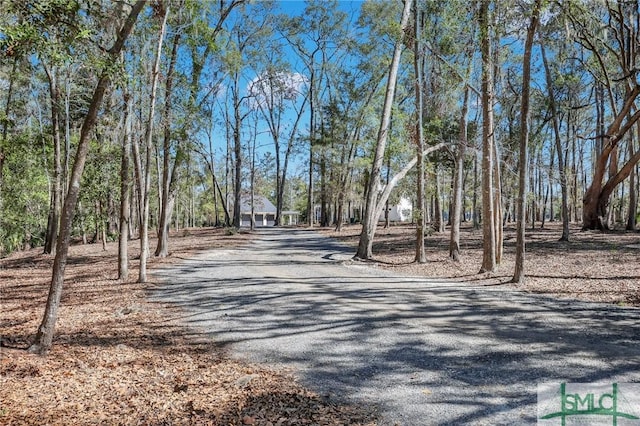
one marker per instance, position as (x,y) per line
(401,212)
(264,212)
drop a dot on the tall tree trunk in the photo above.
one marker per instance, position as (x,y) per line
(5,131)
(342,187)
(237,150)
(67,134)
(488,223)
(574,169)
(148,140)
(633,199)
(285,165)
(312,141)
(227,218)
(211,165)
(372,212)
(56,197)
(551,179)
(539,190)
(125,193)
(421,256)
(387,222)
(103,225)
(474,201)
(310,188)
(497,203)
(340,212)
(324,219)
(457,205)
(533,208)
(559,148)
(545,200)
(497,168)
(519,274)
(44,337)
(438,225)
(275,133)
(168,175)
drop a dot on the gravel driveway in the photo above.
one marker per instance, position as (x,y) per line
(424,352)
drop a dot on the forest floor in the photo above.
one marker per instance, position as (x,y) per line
(593,266)
(117,359)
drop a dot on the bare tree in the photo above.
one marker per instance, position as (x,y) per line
(373,206)
(457,207)
(518,276)
(44,337)
(144,176)
(168,185)
(276,93)
(56,194)
(633,195)
(559,148)
(488,152)
(125,198)
(420,256)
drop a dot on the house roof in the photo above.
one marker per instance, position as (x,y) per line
(260,204)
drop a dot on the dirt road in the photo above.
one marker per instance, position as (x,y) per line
(423,352)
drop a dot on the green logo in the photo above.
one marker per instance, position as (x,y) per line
(582,402)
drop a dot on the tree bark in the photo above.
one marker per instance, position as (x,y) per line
(5,130)
(237,150)
(596,198)
(125,194)
(474,200)
(145,190)
(559,148)
(372,212)
(633,195)
(623,23)
(56,197)
(384,195)
(497,203)
(519,273)
(168,173)
(44,337)
(421,256)
(488,223)
(312,138)
(438,225)
(457,205)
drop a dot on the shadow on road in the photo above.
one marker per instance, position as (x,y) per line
(424,352)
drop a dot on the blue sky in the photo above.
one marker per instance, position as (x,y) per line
(295,7)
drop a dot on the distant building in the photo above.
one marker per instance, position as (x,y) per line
(401,212)
(264,212)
